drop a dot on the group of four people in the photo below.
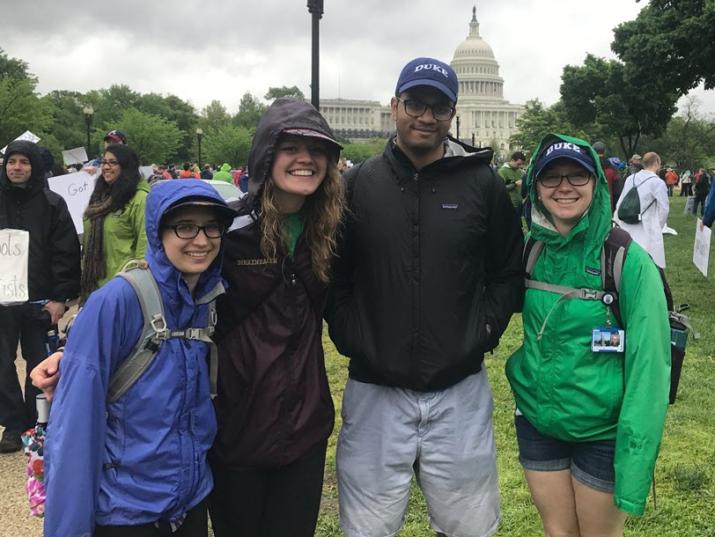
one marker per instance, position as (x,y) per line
(422,251)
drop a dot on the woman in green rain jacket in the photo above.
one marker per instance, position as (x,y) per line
(114,231)
(589,424)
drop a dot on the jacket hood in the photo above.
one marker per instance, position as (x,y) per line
(160,199)
(32,151)
(225,167)
(595,222)
(285,113)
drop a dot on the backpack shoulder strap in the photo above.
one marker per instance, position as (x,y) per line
(613,257)
(153,332)
(532,251)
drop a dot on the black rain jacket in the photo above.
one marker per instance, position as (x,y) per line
(429,268)
(54,259)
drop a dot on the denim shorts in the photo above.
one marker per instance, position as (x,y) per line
(591,463)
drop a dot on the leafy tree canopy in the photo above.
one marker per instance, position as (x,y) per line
(672,41)
(602,97)
(250,110)
(284,91)
(154,138)
(228,144)
(537,121)
(214,117)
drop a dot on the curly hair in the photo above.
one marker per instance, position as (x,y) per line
(322,211)
(123,189)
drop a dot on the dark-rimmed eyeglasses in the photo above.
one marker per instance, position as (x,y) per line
(110,163)
(415,108)
(553,180)
(213,230)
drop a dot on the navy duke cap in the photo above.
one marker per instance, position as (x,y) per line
(429,72)
(567,150)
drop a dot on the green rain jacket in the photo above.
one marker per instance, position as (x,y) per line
(124,234)
(563,388)
(224,174)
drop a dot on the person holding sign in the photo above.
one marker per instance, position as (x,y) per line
(50,260)
(114,220)
(591,396)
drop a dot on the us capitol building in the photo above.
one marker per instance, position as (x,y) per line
(484,117)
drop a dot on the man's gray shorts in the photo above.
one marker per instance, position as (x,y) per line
(445,438)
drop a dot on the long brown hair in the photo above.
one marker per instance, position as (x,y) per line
(322,213)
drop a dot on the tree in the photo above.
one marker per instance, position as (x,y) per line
(154,138)
(284,91)
(688,140)
(214,117)
(228,144)
(360,151)
(672,41)
(250,110)
(537,121)
(21,108)
(68,122)
(601,97)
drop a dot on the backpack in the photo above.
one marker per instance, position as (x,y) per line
(629,211)
(155,332)
(613,257)
(702,185)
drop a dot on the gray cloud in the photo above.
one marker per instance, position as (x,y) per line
(219,49)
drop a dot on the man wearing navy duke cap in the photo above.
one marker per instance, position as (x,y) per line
(427,277)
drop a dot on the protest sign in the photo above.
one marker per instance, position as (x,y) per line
(76,189)
(14,255)
(146,172)
(701,248)
(74,156)
(27,135)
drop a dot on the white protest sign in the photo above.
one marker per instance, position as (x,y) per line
(27,135)
(76,189)
(146,171)
(74,156)
(701,248)
(14,255)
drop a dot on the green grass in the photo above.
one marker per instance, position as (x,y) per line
(685,473)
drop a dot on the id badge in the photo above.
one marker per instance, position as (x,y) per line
(608,339)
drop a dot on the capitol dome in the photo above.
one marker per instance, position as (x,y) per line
(476,67)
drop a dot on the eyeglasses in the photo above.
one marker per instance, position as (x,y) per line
(415,109)
(213,230)
(553,180)
(110,163)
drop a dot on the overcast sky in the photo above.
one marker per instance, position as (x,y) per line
(220,49)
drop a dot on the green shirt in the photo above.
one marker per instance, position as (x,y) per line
(511,176)
(294,227)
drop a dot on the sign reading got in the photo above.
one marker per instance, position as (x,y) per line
(14,255)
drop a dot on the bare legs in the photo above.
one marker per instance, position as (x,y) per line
(569,508)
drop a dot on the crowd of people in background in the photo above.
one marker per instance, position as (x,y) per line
(414,260)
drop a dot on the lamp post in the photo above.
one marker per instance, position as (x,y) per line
(457,127)
(315,8)
(472,139)
(88,114)
(199,134)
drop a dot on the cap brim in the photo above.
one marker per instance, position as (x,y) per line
(310,133)
(548,160)
(224,212)
(429,82)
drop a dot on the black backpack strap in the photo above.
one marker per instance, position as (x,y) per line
(613,257)
(532,251)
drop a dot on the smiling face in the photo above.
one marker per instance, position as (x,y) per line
(299,166)
(193,256)
(18,168)
(111,170)
(566,203)
(421,138)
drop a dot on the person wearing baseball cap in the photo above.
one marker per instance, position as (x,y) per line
(427,278)
(115,136)
(588,426)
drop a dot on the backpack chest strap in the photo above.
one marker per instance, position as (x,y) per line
(565,292)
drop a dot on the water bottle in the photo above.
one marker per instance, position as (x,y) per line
(52,341)
(43,410)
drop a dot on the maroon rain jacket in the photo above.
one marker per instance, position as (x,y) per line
(273,402)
